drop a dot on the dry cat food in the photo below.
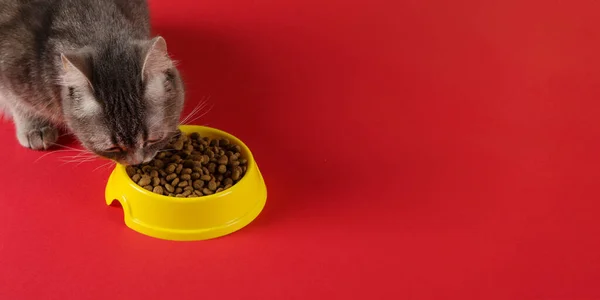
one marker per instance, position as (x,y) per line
(191,166)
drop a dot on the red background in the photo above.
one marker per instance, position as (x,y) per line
(412,150)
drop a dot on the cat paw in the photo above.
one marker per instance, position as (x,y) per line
(39,138)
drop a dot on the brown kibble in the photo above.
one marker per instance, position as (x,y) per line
(159,163)
(180,196)
(158,189)
(205,159)
(223,160)
(191,166)
(198,184)
(212,185)
(136,178)
(130,171)
(210,154)
(212,167)
(178,145)
(145,180)
(236,174)
(171,168)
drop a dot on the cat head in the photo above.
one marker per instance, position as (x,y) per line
(122,101)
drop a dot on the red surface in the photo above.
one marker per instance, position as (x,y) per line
(426,150)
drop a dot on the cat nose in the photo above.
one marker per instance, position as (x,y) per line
(136,159)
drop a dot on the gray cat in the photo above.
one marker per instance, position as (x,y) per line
(91,67)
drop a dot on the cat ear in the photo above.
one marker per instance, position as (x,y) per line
(77,69)
(76,74)
(156,60)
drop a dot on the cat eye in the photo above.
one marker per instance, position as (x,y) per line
(115,149)
(150,142)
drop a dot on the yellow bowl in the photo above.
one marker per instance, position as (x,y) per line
(189,219)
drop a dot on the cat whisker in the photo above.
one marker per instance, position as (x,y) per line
(191,120)
(81,156)
(77,159)
(51,152)
(202,115)
(84,161)
(164,150)
(70,148)
(78,162)
(65,134)
(201,105)
(193,112)
(103,165)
